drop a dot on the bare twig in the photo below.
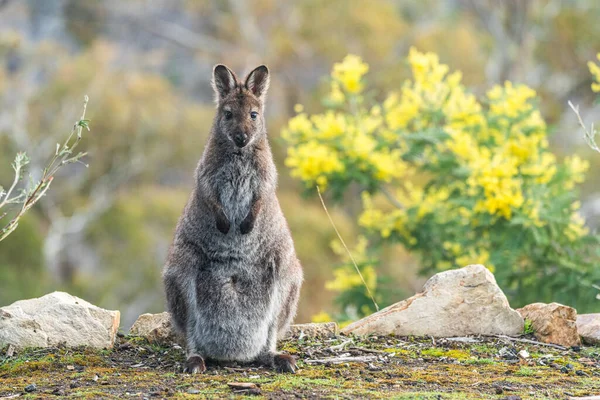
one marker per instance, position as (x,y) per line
(365,350)
(465,339)
(588,135)
(341,345)
(512,339)
(348,251)
(340,360)
(63,155)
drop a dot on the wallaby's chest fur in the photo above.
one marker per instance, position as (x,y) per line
(232,278)
(238,181)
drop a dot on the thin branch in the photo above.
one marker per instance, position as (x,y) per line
(32,194)
(390,197)
(588,135)
(340,360)
(512,339)
(20,162)
(348,251)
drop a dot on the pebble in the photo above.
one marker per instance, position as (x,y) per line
(31,388)
(524,354)
(193,391)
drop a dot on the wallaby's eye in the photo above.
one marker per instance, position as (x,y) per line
(228,115)
(253,115)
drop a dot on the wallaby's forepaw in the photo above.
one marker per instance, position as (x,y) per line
(247,225)
(223,225)
(285,363)
(194,365)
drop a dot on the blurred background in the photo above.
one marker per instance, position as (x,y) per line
(102,233)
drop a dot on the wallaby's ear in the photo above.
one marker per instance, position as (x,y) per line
(257,81)
(224,80)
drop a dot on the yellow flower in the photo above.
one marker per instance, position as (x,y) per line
(576,228)
(336,96)
(595,71)
(346,278)
(481,256)
(329,125)
(311,162)
(350,72)
(321,317)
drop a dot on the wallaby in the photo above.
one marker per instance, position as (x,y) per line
(232,278)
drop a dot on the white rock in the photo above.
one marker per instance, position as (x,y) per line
(57,318)
(459,302)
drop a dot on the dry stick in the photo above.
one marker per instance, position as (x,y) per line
(556,346)
(363,349)
(346,247)
(587,134)
(340,360)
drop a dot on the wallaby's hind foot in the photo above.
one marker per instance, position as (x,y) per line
(194,365)
(284,363)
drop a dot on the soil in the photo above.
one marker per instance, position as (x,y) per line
(387,367)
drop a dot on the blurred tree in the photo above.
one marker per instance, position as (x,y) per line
(135,120)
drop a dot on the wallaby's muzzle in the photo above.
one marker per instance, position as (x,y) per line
(240,139)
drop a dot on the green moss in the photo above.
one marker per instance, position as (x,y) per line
(528,329)
(526,371)
(480,361)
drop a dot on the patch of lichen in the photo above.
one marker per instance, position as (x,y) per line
(449,353)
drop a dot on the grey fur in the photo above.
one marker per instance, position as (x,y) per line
(232,278)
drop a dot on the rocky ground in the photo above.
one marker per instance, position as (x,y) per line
(343,367)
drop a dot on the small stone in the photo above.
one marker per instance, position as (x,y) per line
(581,373)
(246,388)
(31,388)
(524,354)
(508,353)
(553,323)
(193,391)
(10,351)
(156,328)
(564,370)
(70,367)
(458,302)
(242,385)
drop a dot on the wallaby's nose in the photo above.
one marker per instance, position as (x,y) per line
(240,139)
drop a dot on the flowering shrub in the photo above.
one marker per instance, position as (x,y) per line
(455,179)
(595,70)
